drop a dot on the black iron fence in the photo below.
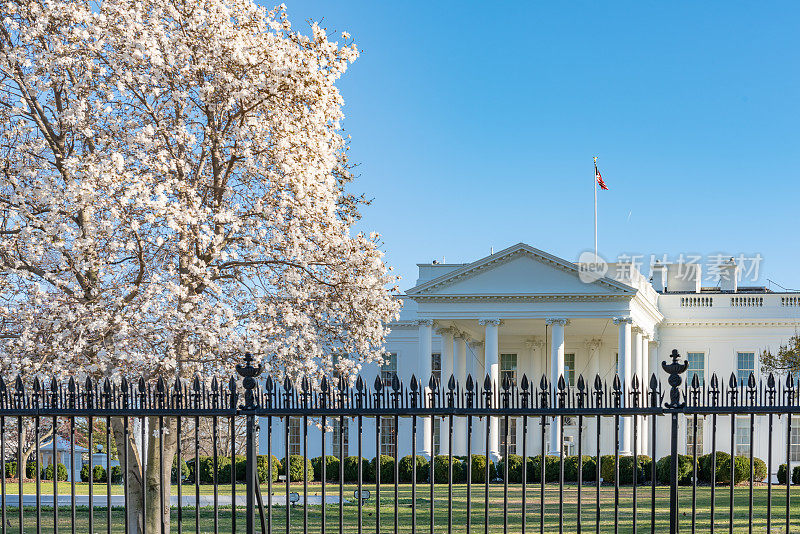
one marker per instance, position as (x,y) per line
(145,427)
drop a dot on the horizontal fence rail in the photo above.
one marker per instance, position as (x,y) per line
(154,429)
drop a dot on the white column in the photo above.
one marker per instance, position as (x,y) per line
(556,370)
(492,366)
(447,371)
(593,345)
(476,367)
(460,366)
(425,327)
(624,371)
(645,443)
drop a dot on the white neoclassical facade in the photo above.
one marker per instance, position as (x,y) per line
(524,311)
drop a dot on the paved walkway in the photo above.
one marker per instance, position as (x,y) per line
(187,500)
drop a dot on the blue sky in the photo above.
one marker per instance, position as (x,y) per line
(474,126)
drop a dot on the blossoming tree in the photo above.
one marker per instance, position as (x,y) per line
(173,193)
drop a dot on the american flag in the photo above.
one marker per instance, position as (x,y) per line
(600,181)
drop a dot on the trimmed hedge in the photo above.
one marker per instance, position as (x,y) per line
(626,469)
(116,474)
(386,468)
(61,469)
(331,468)
(514,468)
(685,469)
(405,469)
(704,467)
(99,473)
(589,468)
(174,476)
(551,468)
(782,474)
(441,469)
(296,468)
(351,469)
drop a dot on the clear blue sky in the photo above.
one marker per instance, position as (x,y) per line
(474,126)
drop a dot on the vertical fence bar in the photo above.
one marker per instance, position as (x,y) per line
(269,470)
(469,387)
(413,463)
(581,397)
(71,469)
(21,468)
(215,464)
(341,468)
(542,461)
(674,369)
(55,467)
(635,473)
(377,458)
(305,470)
(360,474)
(90,424)
(324,466)
(162,504)
(38,465)
(714,402)
(771,402)
(654,402)
(3,478)
(125,478)
(108,471)
(789,402)
(287,473)
(433,386)
(197,465)
(561,405)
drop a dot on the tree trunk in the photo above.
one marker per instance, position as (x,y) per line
(153,473)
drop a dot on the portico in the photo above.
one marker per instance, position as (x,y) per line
(523,311)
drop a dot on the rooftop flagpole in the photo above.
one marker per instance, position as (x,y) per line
(594,181)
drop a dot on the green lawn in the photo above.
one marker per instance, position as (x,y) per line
(458,501)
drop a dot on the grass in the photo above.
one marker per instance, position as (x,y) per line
(459,512)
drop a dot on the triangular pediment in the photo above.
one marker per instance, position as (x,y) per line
(519,270)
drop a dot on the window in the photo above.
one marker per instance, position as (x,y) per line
(436,367)
(295,436)
(569,369)
(569,446)
(508,368)
(337,430)
(745,364)
(743,436)
(388,368)
(388,436)
(512,436)
(697,364)
(795,445)
(690,444)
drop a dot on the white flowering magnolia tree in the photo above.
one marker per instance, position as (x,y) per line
(173,194)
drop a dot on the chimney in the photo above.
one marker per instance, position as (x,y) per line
(659,278)
(728,272)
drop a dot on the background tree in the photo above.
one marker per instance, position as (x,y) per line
(174,193)
(786,360)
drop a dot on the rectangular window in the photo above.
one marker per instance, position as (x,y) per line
(388,368)
(697,365)
(745,365)
(295,435)
(512,435)
(508,368)
(690,444)
(337,430)
(743,436)
(388,436)
(436,368)
(569,369)
(795,445)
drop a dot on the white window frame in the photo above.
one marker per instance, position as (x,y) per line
(510,370)
(744,378)
(512,435)
(700,426)
(388,436)
(795,439)
(691,371)
(569,371)
(742,442)
(388,368)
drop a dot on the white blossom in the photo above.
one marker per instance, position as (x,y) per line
(174,193)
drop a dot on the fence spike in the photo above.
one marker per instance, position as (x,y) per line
(413,384)
(543,383)
(732,382)
(524,383)
(323,386)
(470,385)
(598,383)
(751,381)
(378,384)
(395,383)
(487,383)
(771,381)
(451,384)
(695,381)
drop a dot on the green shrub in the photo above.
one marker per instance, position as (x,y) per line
(759,469)
(11,469)
(351,469)
(405,469)
(99,473)
(571,468)
(262,467)
(441,469)
(551,468)
(741,470)
(386,468)
(174,475)
(626,469)
(116,474)
(479,469)
(514,468)
(704,466)
(296,468)
(685,469)
(47,472)
(331,468)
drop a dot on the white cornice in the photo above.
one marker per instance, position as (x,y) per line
(714,323)
(523,297)
(506,255)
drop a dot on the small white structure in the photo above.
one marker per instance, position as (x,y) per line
(64,455)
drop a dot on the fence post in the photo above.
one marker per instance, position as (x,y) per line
(248,373)
(675,404)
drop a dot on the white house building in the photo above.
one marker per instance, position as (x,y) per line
(522,310)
